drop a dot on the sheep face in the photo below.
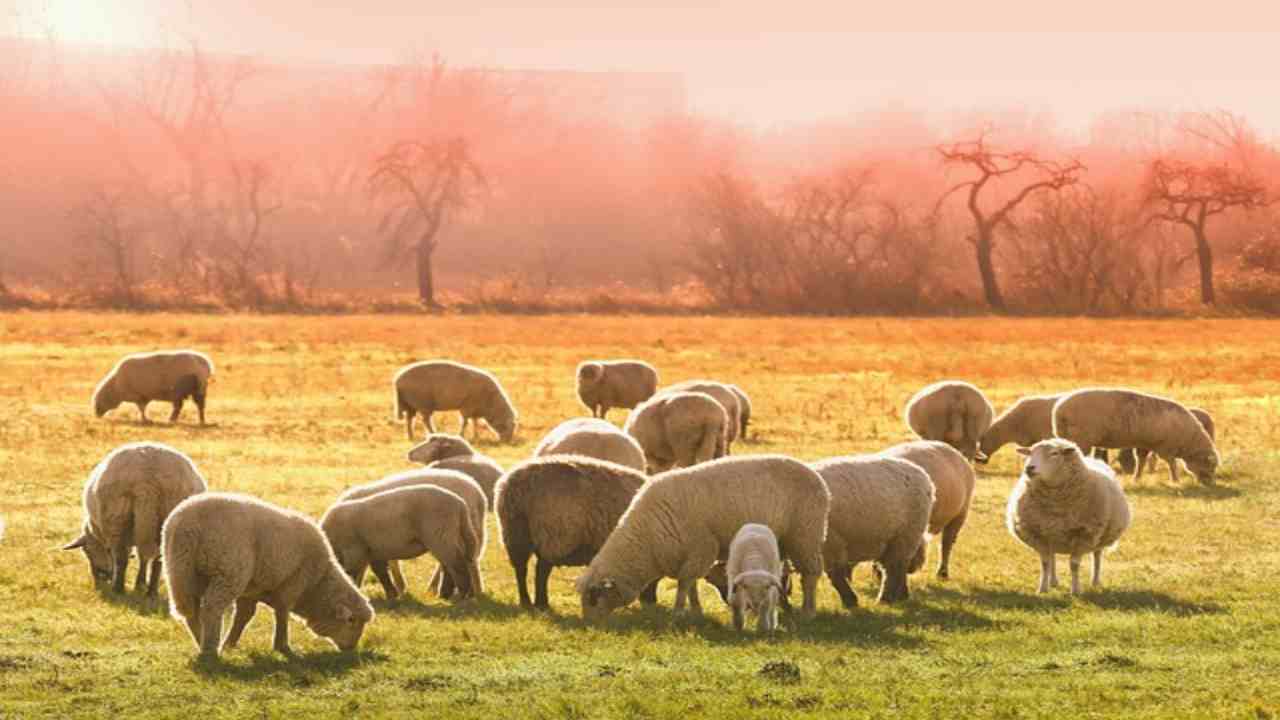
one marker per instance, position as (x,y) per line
(100,561)
(342,624)
(104,398)
(1204,466)
(599,598)
(439,447)
(1047,458)
(505,427)
(755,592)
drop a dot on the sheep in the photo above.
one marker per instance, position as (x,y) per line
(221,548)
(953,483)
(561,509)
(593,438)
(452,480)
(404,523)
(167,376)
(607,384)
(126,500)
(722,394)
(452,452)
(953,412)
(1026,423)
(678,429)
(744,410)
(1119,418)
(754,573)
(427,387)
(1128,457)
(682,521)
(880,508)
(1065,503)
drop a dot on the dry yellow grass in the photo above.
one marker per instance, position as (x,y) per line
(1188,625)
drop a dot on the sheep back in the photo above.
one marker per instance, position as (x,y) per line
(722,394)
(678,429)
(605,384)
(441,385)
(953,412)
(144,377)
(952,476)
(454,481)
(880,508)
(592,438)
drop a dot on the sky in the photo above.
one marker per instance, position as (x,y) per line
(779,63)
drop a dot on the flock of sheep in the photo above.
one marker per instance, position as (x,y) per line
(659,498)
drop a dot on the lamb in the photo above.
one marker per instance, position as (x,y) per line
(427,387)
(953,412)
(401,524)
(1065,503)
(682,521)
(678,430)
(607,384)
(754,571)
(593,438)
(561,509)
(221,548)
(452,452)
(167,376)
(1128,457)
(722,394)
(1026,423)
(880,509)
(456,482)
(953,483)
(1118,418)
(744,410)
(126,500)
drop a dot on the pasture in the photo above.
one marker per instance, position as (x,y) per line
(1187,626)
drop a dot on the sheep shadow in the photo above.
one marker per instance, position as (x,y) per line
(301,670)
(1005,599)
(481,608)
(166,426)
(141,603)
(1210,493)
(1148,601)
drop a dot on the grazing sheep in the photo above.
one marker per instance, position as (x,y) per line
(682,521)
(427,387)
(126,500)
(1127,458)
(1117,418)
(880,509)
(168,376)
(221,548)
(452,452)
(744,410)
(722,394)
(456,482)
(953,412)
(590,437)
(1065,503)
(754,573)
(1026,423)
(402,524)
(561,509)
(953,483)
(607,384)
(678,430)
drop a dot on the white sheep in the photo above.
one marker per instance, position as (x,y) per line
(126,500)
(953,484)
(222,548)
(428,387)
(167,376)
(1066,504)
(744,410)
(682,521)
(722,394)
(1025,423)
(442,451)
(754,574)
(1129,457)
(678,430)
(607,384)
(593,438)
(953,412)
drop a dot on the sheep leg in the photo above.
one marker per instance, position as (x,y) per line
(396,575)
(687,589)
(520,564)
(142,411)
(435,584)
(384,576)
(1075,574)
(1097,568)
(542,573)
(840,581)
(217,598)
(682,591)
(695,604)
(426,418)
(767,619)
(894,587)
(739,617)
(949,535)
(1140,465)
(121,566)
(281,641)
(245,610)
(809,587)
(140,583)
(447,586)
(408,423)
(154,585)
(1046,572)
(1173,468)
(649,595)
(177,408)
(199,399)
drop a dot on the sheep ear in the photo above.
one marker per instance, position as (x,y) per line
(77,543)
(1024,451)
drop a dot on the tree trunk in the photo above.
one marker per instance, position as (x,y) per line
(990,288)
(426,275)
(1205,254)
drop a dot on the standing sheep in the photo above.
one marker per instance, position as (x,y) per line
(953,412)
(1065,503)
(126,500)
(744,410)
(1129,456)
(1026,423)
(678,430)
(402,524)
(428,387)
(607,384)
(452,452)
(221,548)
(754,575)
(722,394)
(953,483)
(561,509)
(880,509)
(682,521)
(590,437)
(456,482)
(1117,418)
(167,376)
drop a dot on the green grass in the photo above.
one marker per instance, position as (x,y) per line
(1188,625)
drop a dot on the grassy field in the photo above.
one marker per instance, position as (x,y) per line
(1188,625)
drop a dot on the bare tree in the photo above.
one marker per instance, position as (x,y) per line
(425,181)
(993,167)
(238,230)
(105,230)
(1189,194)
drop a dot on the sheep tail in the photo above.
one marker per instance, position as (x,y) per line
(711,445)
